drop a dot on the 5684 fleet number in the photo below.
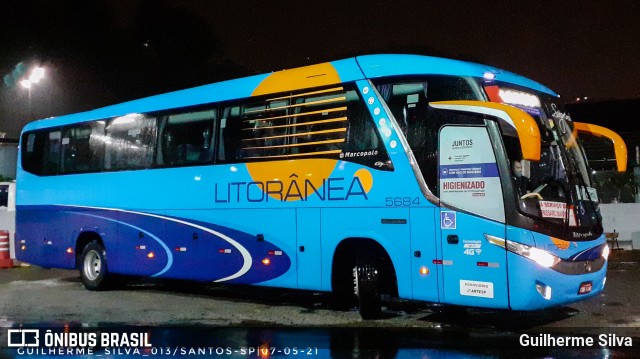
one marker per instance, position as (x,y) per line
(402,201)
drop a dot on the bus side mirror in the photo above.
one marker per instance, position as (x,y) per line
(510,117)
(619,147)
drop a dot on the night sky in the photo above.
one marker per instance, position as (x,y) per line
(98,53)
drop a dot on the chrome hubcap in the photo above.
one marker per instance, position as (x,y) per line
(92,265)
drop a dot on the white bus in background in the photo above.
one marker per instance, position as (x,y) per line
(8,212)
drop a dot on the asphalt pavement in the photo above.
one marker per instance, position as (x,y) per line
(36,297)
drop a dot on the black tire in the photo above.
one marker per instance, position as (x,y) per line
(92,265)
(366,281)
(343,297)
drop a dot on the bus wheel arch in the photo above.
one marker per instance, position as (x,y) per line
(83,239)
(91,261)
(362,265)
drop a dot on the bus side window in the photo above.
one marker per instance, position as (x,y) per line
(361,133)
(363,144)
(229,136)
(51,153)
(82,148)
(253,131)
(318,123)
(130,142)
(32,150)
(321,123)
(222,143)
(186,138)
(409,104)
(264,129)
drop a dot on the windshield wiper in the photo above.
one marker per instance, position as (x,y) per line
(581,186)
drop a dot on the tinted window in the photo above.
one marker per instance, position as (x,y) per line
(186,138)
(255,130)
(319,123)
(51,155)
(82,148)
(409,100)
(363,144)
(323,123)
(130,141)
(32,147)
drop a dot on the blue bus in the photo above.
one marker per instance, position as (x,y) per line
(407,176)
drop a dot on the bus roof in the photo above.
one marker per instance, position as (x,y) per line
(351,69)
(374,66)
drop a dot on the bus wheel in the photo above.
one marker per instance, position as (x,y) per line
(367,288)
(93,266)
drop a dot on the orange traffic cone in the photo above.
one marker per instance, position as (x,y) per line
(5,258)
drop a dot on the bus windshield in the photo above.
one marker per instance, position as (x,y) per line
(557,188)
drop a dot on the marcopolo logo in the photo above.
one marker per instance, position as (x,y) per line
(23,338)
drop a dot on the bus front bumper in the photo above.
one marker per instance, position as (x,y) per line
(532,286)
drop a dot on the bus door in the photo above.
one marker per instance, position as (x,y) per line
(472,208)
(308,251)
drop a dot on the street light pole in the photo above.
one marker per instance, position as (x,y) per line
(36,75)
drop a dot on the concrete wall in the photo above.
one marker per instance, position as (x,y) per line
(624,218)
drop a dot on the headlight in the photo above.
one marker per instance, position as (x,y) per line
(537,255)
(543,258)
(605,252)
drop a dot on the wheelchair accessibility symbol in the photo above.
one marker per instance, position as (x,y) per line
(448,220)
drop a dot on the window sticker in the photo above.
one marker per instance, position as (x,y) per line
(551,209)
(469,177)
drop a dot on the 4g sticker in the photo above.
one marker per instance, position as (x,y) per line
(472,252)
(472,247)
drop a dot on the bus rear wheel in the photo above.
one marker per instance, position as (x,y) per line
(93,266)
(366,285)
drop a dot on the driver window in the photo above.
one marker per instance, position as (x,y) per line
(520,169)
